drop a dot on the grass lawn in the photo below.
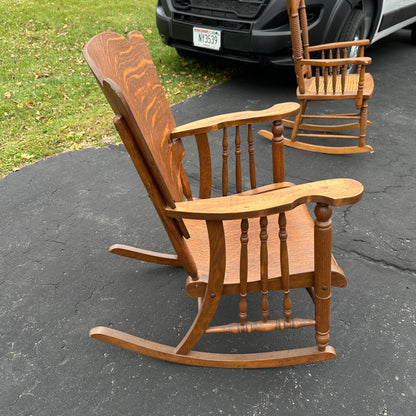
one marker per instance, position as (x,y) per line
(50,101)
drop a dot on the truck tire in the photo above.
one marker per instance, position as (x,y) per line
(413,34)
(354,29)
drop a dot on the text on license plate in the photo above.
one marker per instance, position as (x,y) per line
(207,38)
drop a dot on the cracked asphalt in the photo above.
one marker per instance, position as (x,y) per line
(59,216)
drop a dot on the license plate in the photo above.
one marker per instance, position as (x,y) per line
(207,38)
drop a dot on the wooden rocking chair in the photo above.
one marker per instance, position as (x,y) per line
(257,240)
(331,64)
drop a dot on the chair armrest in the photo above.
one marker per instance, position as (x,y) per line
(336,45)
(277,112)
(335,192)
(335,62)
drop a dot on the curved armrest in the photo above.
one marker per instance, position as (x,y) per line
(277,112)
(335,192)
(336,45)
(335,62)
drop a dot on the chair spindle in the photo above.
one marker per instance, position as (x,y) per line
(343,77)
(252,162)
(325,79)
(264,268)
(284,265)
(317,80)
(238,180)
(278,155)
(243,271)
(331,69)
(224,163)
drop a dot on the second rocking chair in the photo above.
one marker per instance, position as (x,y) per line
(324,73)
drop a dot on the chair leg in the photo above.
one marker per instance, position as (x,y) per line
(322,279)
(200,324)
(363,123)
(213,291)
(298,120)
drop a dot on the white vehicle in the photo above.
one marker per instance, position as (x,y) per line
(394,15)
(258,30)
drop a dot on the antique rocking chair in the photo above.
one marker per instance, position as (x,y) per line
(217,239)
(331,63)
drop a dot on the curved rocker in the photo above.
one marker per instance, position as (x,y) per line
(206,359)
(145,255)
(334,150)
(261,239)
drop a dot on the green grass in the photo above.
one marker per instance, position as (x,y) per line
(50,101)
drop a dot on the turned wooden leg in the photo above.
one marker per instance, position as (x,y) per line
(298,120)
(278,152)
(363,123)
(322,281)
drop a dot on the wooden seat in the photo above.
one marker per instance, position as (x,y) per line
(259,239)
(325,73)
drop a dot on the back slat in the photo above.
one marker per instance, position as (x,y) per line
(142,102)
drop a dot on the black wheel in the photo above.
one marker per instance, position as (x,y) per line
(354,29)
(413,34)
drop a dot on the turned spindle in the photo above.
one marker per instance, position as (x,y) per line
(252,163)
(224,163)
(278,155)
(243,271)
(284,265)
(264,268)
(238,180)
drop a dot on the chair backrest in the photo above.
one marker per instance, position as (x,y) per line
(125,72)
(326,73)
